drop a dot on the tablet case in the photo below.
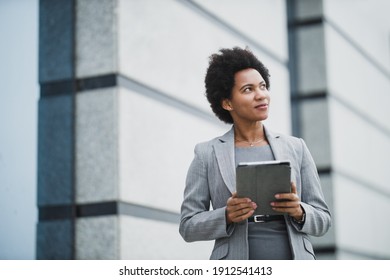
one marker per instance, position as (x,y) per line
(260,181)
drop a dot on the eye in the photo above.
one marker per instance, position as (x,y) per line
(263,86)
(247,89)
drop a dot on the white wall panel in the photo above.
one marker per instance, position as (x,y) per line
(358,148)
(156,147)
(169,50)
(357,82)
(366,23)
(142,239)
(262,21)
(360,218)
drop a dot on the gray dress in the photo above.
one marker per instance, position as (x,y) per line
(267,241)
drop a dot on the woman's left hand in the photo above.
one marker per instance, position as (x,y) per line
(292,206)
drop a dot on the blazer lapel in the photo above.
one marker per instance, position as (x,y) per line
(276,146)
(279,149)
(224,152)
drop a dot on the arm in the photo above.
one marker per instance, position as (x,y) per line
(310,203)
(198,222)
(318,217)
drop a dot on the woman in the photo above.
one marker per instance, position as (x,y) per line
(237,86)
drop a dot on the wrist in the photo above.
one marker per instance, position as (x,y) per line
(300,219)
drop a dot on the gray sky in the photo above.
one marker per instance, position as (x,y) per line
(18,127)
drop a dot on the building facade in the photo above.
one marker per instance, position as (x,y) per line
(122,106)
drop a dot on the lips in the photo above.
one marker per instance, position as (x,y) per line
(262,106)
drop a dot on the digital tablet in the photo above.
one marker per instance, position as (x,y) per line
(260,181)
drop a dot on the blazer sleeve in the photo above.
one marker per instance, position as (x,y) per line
(318,217)
(198,222)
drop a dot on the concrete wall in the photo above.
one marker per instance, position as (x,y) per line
(358,61)
(122,86)
(130,99)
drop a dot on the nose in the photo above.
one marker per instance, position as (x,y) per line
(260,93)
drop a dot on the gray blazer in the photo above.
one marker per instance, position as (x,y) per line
(211,179)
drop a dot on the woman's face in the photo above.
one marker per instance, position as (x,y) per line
(250,97)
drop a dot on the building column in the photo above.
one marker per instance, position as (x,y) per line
(309,94)
(81,159)
(110,167)
(56,131)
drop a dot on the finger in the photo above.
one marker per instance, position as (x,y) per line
(241,208)
(291,195)
(289,207)
(234,195)
(287,196)
(285,204)
(238,201)
(233,200)
(294,188)
(236,213)
(243,216)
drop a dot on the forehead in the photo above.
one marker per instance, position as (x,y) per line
(247,76)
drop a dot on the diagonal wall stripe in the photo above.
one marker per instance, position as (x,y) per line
(60,212)
(231,29)
(65,87)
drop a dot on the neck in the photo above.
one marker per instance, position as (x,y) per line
(250,132)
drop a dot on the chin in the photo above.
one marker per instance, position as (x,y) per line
(263,118)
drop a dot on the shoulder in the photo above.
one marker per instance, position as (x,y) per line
(286,139)
(293,142)
(287,144)
(208,145)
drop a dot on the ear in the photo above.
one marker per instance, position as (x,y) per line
(226,104)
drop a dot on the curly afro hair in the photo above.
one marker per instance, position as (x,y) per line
(219,79)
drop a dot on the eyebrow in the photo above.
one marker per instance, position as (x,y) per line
(245,86)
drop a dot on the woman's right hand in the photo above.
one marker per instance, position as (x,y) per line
(239,209)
